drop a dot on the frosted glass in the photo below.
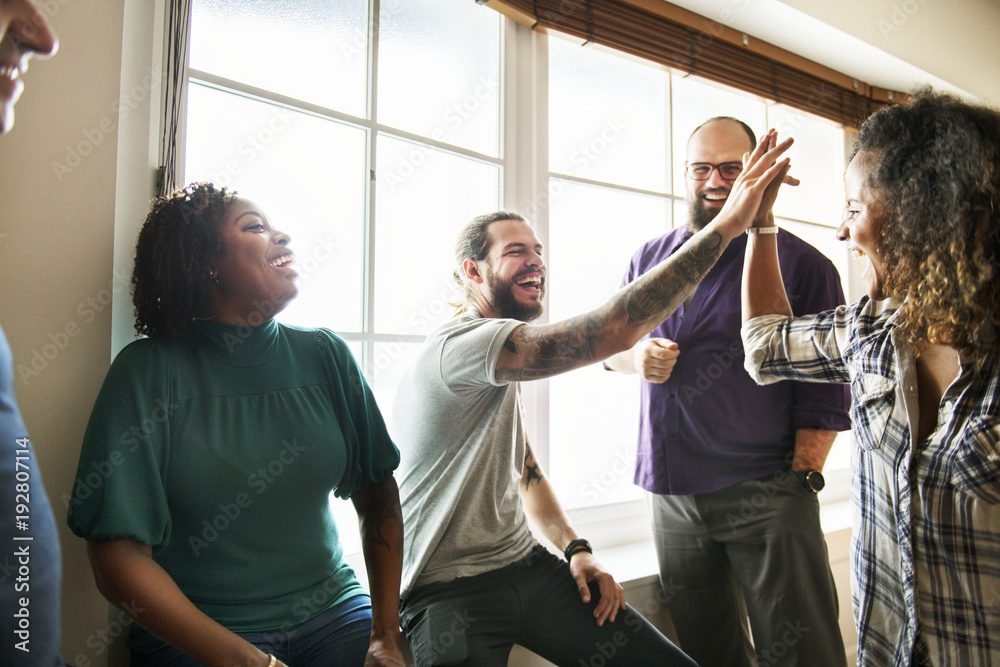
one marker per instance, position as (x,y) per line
(390,361)
(593,234)
(439,71)
(608,117)
(312,50)
(695,101)
(817,160)
(424,197)
(308,175)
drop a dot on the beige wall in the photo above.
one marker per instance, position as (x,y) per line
(63,236)
(955,40)
(57,241)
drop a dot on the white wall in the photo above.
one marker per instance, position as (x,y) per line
(63,236)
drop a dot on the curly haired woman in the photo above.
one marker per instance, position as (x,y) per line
(922,354)
(216,442)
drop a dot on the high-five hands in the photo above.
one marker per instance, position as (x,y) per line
(752,193)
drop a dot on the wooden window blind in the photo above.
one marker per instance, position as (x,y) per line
(682,40)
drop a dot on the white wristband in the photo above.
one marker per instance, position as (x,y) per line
(762,230)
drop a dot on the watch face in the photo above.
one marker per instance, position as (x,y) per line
(815,481)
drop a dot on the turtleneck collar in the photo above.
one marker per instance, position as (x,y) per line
(240,344)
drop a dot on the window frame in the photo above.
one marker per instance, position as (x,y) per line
(524,186)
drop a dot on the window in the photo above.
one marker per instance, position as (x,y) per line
(373,131)
(618,130)
(369,139)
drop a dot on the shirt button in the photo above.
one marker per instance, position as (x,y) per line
(673,396)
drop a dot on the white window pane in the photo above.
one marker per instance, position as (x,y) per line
(390,360)
(439,71)
(608,117)
(421,209)
(312,50)
(308,175)
(593,234)
(817,160)
(695,101)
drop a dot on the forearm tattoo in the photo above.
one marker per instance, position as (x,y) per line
(664,292)
(532,471)
(547,350)
(380,515)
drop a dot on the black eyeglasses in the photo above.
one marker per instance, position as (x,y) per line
(702,171)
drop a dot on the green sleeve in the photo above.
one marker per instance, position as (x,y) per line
(371,454)
(119,490)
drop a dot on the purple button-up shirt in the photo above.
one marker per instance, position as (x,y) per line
(710,426)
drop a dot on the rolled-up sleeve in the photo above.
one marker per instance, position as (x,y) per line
(807,349)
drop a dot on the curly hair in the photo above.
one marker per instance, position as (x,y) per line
(935,161)
(173,261)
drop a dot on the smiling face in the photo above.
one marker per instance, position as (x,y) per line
(24,33)
(862,224)
(716,142)
(254,268)
(513,273)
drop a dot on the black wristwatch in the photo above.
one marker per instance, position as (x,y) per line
(576,546)
(811,479)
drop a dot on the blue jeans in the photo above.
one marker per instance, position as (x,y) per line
(339,636)
(533,602)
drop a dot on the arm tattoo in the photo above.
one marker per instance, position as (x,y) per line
(547,350)
(381,511)
(660,294)
(558,348)
(531,468)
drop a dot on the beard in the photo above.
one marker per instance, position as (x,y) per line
(507,305)
(700,215)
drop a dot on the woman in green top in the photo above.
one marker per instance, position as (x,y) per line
(204,481)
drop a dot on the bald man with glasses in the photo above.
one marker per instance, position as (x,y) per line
(732,470)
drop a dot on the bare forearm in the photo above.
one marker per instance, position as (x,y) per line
(382,542)
(812,446)
(130,579)
(541,505)
(763,290)
(621,362)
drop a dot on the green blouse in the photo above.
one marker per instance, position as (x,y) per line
(222,457)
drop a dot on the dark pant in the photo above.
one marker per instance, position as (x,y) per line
(533,602)
(339,636)
(756,551)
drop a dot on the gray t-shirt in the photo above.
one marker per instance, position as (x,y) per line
(461,440)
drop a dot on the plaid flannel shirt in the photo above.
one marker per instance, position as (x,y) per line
(925,553)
